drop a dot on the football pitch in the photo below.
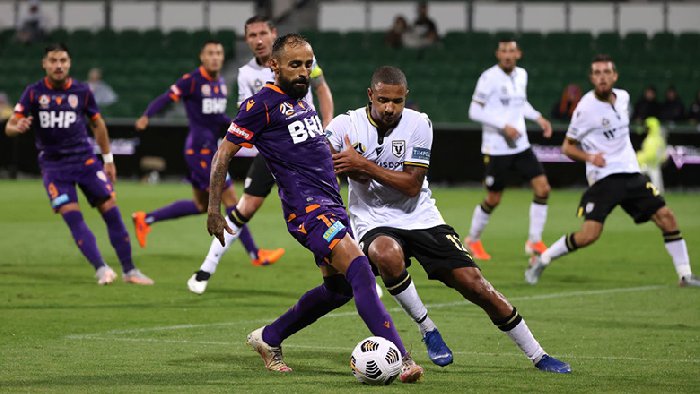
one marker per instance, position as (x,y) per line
(613,311)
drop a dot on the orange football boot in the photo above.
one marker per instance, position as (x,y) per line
(268,256)
(535,247)
(142,228)
(476,249)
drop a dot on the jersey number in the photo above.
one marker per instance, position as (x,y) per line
(458,244)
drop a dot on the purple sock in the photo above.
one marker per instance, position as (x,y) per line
(246,238)
(315,303)
(369,307)
(172,211)
(119,237)
(83,237)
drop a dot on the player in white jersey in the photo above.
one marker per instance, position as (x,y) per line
(260,33)
(385,151)
(599,136)
(500,104)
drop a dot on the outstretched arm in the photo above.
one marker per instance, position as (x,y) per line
(155,107)
(219,167)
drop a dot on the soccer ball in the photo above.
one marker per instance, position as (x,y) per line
(375,361)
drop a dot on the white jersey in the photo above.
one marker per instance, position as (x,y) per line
(504,98)
(602,127)
(372,204)
(252,76)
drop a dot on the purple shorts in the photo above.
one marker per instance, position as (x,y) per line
(320,230)
(199,163)
(89,175)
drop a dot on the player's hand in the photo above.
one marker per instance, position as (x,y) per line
(596,159)
(111,171)
(216,224)
(348,160)
(511,133)
(24,124)
(141,123)
(546,127)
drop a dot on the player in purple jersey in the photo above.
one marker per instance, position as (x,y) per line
(203,92)
(56,108)
(288,133)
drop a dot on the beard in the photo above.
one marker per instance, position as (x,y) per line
(295,88)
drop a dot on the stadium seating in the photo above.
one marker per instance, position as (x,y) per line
(142,64)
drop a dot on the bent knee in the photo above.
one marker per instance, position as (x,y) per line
(387,255)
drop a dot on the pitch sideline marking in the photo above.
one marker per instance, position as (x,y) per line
(354,313)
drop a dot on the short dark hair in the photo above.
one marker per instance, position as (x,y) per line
(292,39)
(56,46)
(388,75)
(258,19)
(505,39)
(604,57)
(210,41)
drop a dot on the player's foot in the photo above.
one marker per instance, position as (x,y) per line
(689,281)
(551,364)
(268,256)
(137,277)
(198,282)
(476,249)
(142,228)
(410,371)
(438,352)
(534,247)
(534,271)
(271,355)
(105,275)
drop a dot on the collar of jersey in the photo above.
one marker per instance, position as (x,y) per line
(374,123)
(205,74)
(274,87)
(66,87)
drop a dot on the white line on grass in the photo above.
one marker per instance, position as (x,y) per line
(354,313)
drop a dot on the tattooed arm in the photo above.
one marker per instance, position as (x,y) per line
(219,167)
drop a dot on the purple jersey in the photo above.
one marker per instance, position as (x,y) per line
(204,98)
(59,119)
(289,135)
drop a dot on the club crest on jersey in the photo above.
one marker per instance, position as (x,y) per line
(206,90)
(287,109)
(44,101)
(73,101)
(398,148)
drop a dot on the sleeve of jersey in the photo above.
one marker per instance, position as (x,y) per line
(91,109)
(23,107)
(249,123)
(418,149)
(529,112)
(577,127)
(482,92)
(243,89)
(336,130)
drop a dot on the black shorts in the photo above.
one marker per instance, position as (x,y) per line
(497,168)
(634,192)
(259,179)
(436,249)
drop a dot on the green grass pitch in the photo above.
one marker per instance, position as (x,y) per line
(614,310)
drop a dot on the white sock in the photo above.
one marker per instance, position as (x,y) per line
(522,337)
(556,250)
(216,251)
(538,216)
(479,221)
(679,253)
(414,307)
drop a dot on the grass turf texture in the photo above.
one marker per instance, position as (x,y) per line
(614,310)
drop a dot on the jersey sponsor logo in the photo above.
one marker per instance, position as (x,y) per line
(213,105)
(333,231)
(249,105)
(287,109)
(390,165)
(56,119)
(44,101)
(420,153)
(206,90)
(398,148)
(303,129)
(60,200)
(241,132)
(73,101)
